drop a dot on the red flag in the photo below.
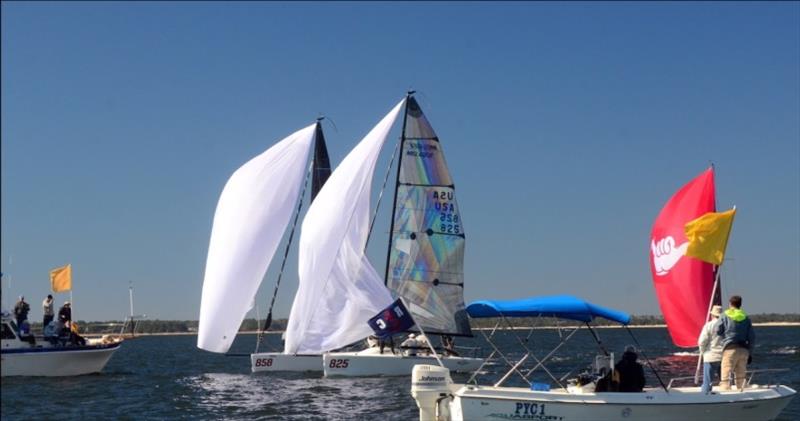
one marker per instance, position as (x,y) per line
(683,284)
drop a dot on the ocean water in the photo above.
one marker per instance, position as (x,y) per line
(167,377)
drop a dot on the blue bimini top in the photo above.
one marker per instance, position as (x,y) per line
(561,306)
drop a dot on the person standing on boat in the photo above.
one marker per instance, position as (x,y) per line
(21,310)
(711,347)
(738,339)
(65,314)
(47,308)
(628,373)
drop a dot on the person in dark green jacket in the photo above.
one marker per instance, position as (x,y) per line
(738,341)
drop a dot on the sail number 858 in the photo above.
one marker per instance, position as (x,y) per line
(264,362)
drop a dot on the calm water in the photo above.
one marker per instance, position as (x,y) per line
(169,378)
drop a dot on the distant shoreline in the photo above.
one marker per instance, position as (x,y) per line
(661,326)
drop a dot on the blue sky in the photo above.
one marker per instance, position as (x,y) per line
(566,128)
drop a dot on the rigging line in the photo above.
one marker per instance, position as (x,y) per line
(268,322)
(647,359)
(380,196)
(260,332)
(330,120)
(396,187)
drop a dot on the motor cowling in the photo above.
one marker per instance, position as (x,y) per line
(430,389)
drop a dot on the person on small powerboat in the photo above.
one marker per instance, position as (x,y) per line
(628,373)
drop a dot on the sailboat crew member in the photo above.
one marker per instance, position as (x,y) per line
(711,347)
(738,339)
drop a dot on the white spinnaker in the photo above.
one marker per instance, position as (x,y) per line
(339,290)
(252,214)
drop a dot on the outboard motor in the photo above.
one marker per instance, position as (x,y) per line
(429,387)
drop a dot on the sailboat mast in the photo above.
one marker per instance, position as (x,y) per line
(318,177)
(396,187)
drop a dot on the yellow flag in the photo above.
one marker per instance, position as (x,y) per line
(708,236)
(61,278)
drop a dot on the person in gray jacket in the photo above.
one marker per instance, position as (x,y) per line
(738,341)
(710,345)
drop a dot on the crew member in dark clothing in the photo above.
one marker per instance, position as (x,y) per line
(21,310)
(629,373)
(65,313)
(65,318)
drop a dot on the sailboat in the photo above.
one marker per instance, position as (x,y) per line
(253,212)
(685,287)
(339,287)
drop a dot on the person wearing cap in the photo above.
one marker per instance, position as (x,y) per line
(65,313)
(47,309)
(711,347)
(738,341)
(21,309)
(628,373)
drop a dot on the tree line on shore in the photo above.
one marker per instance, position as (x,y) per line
(249,325)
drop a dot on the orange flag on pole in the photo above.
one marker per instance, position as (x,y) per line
(61,278)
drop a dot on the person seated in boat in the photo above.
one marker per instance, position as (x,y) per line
(606,381)
(51,332)
(628,373)
(423,344)
(449,345)
(372,341)
(25,333)
(410,345)
(74,337)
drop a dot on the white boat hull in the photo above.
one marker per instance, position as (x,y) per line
(685,404)
(53,361)
(276,361)
(371,362)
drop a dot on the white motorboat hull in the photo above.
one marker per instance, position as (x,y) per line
(56,361)
(371,362)
(276,361)
(685,404)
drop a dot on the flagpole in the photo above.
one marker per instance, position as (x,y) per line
(708,314)
(713,293)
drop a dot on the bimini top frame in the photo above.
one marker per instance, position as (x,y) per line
(561,307)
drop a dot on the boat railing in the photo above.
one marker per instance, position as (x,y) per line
(748,376)
(472,351)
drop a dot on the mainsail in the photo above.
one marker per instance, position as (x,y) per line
(252,214)
(339,289)
(684,285)
(426,250)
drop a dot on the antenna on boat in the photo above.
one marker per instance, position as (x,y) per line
(130,295)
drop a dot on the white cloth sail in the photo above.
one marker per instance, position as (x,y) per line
(339,290)
(252,214)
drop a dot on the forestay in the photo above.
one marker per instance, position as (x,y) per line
(426,258)
(339,289)
(252,214)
